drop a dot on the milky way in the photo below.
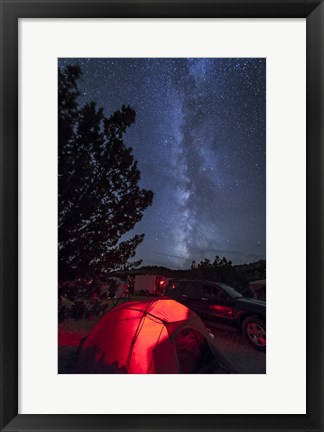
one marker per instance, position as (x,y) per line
(200,142)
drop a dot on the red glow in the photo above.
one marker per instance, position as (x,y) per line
(70,338)
(135,338)
(222,309)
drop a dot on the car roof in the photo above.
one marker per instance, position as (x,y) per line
(196,280)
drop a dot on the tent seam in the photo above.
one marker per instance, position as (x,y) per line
(155,347)
(136,334)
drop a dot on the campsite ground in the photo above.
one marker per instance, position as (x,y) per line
(231,343)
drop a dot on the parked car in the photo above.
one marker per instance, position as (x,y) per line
(221,303)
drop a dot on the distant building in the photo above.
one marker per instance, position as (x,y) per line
(258,289)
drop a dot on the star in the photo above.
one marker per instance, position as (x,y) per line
(200,143)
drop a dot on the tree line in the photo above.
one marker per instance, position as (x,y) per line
(217,270)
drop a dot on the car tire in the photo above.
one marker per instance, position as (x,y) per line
(254,330)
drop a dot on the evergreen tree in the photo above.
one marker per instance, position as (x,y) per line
(99,198)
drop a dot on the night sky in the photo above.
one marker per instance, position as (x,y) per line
(200,142)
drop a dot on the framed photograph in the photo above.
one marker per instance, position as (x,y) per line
(161,223)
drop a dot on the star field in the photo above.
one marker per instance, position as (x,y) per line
(200,142)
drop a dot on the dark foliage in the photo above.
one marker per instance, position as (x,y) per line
(99,198)
(220,270)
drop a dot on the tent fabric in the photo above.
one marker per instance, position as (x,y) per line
(143,338)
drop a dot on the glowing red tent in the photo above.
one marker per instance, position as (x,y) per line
(159,336)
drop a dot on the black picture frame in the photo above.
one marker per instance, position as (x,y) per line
(11,12)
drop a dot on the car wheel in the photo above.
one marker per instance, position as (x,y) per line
(254,329)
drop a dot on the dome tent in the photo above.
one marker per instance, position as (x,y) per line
(147,337)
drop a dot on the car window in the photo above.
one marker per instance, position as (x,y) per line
(213,292)
(192,290)
(230,291)
(174,289)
